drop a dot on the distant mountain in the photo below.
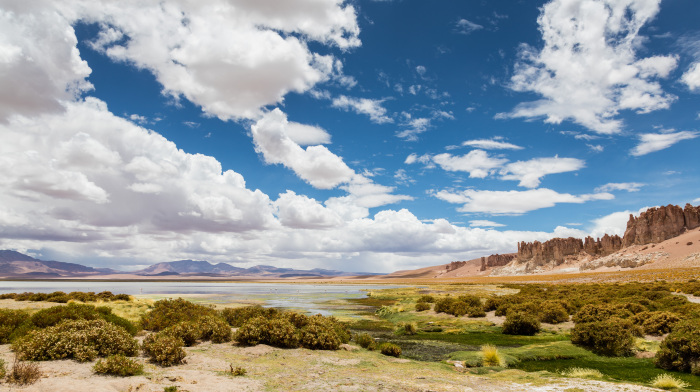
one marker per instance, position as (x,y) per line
(199,267)
(15,264)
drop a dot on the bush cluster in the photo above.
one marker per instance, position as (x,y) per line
(422,306)
(426,299)
(55,315)
(236,317)
(118,365)
(609,337)
(390,349)
(406,328)
(366,341)
(520,324)
(680,350)
(164,349)
(656,323)
(82,340)
(61,297)
(168,312)
(10,320)
(463,305)
(291,329)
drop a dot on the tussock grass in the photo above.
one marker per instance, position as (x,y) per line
(491,357)
(667,381)
(579,372)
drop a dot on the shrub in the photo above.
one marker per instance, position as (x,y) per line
(365,341)
(278,332)
(406,329)
(187,331)
(82,340)
(680,350)
(118,365)
(491,357)
(3,369)
(553,312)
(9,321)
(237,371)
(215,329)
(390,349)
(421,306)
(667,381)
(656,323)
(24,373)
(236,317)
(520,324)
(591,313)
(611,337)
(164,349)
(464,304)
(317,336)
(492,303)
(429,299)
(167,313)
(476,312)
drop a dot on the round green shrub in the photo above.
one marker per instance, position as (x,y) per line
(390,349)
(316,336)
(365,341)
(9,321)
(591,313)
(553,312)
(280,332)
(167,313)
(422,306)
(476,312)
(492,303)
(236,317)
(118,365)
(656,323)
(82,340)
(187,331)
(443,305)
(428,299)
(164,349)
(680,350)
(610,337)
(520,324)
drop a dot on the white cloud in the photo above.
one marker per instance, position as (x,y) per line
(692,77)
(588,70)
(484,223)
(613,224)
(421,70)
(651,142)
(491,144)
(464,26)
(307,135)
(477,163)
(413,158)
(530,172)
(596,147)
(301,212)
(513,202)
(415,126)
(371,107)
(315,164)
(620,186)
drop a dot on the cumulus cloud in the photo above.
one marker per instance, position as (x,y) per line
(307,135)
(530,172)
(692,77)
(301,212)
(491,144)
(415,126)
(588,69)
(371,107)
(315,164)
(513,202)
(477,163)
(620,186)
(652,142)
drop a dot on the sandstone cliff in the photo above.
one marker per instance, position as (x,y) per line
(652,226)
(660,223)
(496,260)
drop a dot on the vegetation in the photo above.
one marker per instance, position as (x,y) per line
(463,305)
(491,356)
(578,372)
(169,312)
(164,349)
(366,341)
(680,350)
(237,371)
(390,349)
(520,324)
(118,365)
(667,381)
(82,340)
(23,373)
(610,337)
(61,297)
(10,320)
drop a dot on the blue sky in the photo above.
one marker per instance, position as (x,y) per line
(356,135)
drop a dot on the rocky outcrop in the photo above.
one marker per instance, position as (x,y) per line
(555,250)
(602,246)
(454,265)
(496,260)
(660,223)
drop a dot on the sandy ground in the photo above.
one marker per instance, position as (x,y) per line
(272,369)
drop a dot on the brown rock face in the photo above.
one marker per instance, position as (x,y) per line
(454,265)
(660,223)
(496,260)
(556,249)
(602,246)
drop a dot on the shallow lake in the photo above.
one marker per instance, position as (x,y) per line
(312,298)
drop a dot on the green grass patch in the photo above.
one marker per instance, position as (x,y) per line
(492,335)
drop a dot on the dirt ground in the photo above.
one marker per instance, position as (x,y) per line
(273,369)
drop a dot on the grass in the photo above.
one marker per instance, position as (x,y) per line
(667,381)
(578,372)
(491,357)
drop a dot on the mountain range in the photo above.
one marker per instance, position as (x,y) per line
(18,265)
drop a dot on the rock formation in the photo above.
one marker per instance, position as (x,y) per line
(496,260)
(602,246)
(454,265)
(660,223)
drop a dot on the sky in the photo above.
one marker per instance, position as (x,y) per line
(352,135)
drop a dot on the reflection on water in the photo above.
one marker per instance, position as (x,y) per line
(309,297)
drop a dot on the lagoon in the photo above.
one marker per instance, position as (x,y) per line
(311,298)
